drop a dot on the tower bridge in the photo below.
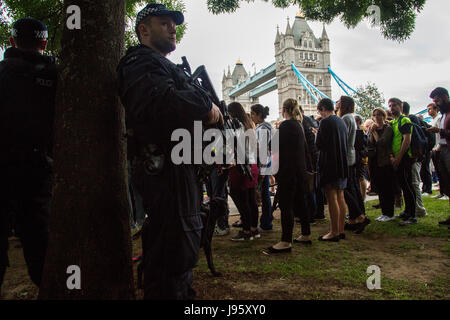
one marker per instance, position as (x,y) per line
(297,45)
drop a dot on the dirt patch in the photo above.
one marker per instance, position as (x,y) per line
(251,286)
(406,258)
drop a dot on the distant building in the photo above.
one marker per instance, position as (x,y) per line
(230,80)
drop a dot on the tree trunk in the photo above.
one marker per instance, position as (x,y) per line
(89,225)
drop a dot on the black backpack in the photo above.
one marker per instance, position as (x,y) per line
(431,137)
(419,140)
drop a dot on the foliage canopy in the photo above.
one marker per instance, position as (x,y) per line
(51,12)
(397,17)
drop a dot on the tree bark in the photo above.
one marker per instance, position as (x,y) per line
(89,225)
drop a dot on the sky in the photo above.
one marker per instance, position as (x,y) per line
(408,70)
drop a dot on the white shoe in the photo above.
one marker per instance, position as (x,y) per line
(384,218)
(444,198)
(426,194)
(438,196)
(221,232)
(381,218)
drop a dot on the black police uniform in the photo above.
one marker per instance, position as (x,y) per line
(158,98)
(27,106)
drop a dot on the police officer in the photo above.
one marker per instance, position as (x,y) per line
(27,94)
(158,98)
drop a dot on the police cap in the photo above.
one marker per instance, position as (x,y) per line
(29,29)
(158,9)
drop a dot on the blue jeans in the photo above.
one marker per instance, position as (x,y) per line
(266,216)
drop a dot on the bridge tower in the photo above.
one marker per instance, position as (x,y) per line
(231,80)
(310,55)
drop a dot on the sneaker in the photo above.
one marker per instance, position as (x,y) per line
(408,222)
(221,232)
(242,236)
(438,196)
(402,215)
(426,194)
(443,197)
(237,224)
(263,230)
(256,234)
(384,218)
(445,222)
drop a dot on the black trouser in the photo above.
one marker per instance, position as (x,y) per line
(436,155)
(382,179)
(310,203)
(164,286)
(245,202)
(25,190)
(352,195)
(171,238)
(217,187)
(319,197)
(444,169)
(292,203)
(404,177)
(425,174)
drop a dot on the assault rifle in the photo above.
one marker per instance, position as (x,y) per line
(201,78)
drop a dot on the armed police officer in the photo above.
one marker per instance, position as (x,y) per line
(159,97)
(27,106)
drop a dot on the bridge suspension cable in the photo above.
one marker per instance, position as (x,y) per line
(312,90)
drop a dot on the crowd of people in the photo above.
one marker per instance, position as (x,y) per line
(392,151)
(320,161)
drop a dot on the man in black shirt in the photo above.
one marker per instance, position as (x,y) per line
(159,98)
(27,94)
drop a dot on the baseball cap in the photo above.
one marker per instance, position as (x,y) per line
(158,9)
(29,28)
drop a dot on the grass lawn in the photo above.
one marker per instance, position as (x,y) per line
(414,263)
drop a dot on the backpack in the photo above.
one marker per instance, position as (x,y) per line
(419,141)
(431,137)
